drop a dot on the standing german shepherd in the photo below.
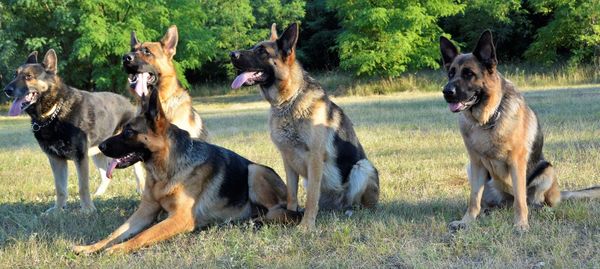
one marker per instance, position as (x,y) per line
(196,183)
(502,135)
(67,122)
(314,136)
(176,101)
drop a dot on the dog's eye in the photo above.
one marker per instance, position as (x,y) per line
(28,77)
(451,73)
(468,74)
(128,133)
(146,51)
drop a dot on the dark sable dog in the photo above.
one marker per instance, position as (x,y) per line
(502,135)
(67,122)
(314,136)
(149,61)
(196,183)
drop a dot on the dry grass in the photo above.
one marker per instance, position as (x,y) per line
(413,140)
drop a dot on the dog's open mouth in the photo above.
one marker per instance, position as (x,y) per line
(123,162)
(248,78)
(460,106)
(23,103)
(139,82)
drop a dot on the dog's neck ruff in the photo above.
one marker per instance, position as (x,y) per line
(53,113)
(286,106)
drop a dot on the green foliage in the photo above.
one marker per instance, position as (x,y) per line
(575,28)
(317,44)
(386,37)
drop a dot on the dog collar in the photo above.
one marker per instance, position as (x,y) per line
(492,121)
(35,126)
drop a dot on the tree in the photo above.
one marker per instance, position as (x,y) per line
(573,33)
(387,37)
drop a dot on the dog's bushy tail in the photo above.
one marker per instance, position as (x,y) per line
(589,193)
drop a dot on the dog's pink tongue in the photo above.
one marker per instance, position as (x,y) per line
(141,86)
(111,167)
(15,108)
(241,79)
(455,107)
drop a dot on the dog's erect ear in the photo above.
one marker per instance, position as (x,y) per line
(485,51)
(134,42)
(32,58)
(449,52)
(274,35)
(169,41)
(287,41)
(155,116)
(50,61)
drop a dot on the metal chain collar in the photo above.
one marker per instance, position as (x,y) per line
(38,126)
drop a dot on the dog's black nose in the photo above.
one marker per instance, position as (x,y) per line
(234,55)
(128,58)
(449,90)
(102,146)
(9,91)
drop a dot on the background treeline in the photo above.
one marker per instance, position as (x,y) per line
(366,38)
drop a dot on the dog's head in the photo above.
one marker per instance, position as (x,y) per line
(32,81)
(268,62)
(149,60)
(469,74)
(142,138)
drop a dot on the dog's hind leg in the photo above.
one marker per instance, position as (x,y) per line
(101,162)
(363,185)
(267,189)
(60,173)
(83,173)
(543,189)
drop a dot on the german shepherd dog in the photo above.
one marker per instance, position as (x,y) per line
(176,101)
(502,134)
(196,183)
(315,138)
(67,123)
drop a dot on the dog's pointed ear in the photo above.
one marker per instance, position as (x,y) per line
(169,41)
(155,116)
(134,42)
(50,61)
(449,52)
(287,41)
(274,35)
(32,58)
(485,51)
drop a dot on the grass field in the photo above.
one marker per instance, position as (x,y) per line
(413,140)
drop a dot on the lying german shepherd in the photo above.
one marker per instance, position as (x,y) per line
(196,183)
(314,136)
(176,101)
(67,122)
(502,135)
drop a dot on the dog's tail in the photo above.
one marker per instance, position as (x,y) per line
(589,193)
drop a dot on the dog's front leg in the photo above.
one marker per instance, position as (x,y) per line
(83,174)
(140,219)
(179,222)
(60,173)
(291,178)
(477,177)
(316,162)
(518,172)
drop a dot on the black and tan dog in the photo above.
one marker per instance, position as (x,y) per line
(502,135)
(196,183)
(67,122)
(176,101)
(315,138)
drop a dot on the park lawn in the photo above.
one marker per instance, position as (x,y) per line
(413,140)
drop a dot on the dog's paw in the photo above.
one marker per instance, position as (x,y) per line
(307,225)
(456,226)
(83,250)
(87,209)
(54,210)
(521,227)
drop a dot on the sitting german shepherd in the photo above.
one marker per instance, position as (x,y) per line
(150,61)
(314,136)
(196,183)
(502,135)
(67,122)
